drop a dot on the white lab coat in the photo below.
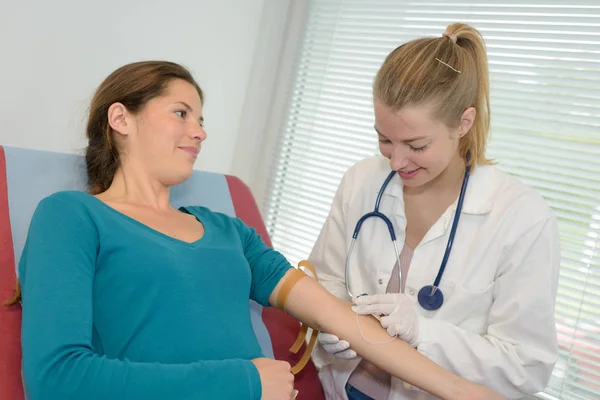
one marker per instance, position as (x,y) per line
(496,326)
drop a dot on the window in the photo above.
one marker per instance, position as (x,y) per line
(545,75)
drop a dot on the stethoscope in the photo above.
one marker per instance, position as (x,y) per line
(430,297)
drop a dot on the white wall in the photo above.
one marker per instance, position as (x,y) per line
(55,53)
(269,92)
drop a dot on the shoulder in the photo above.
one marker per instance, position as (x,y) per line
(68,212)
(67,196)
(67,202)
(510,197)
(513,191)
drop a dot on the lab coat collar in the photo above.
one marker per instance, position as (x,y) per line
(479,198)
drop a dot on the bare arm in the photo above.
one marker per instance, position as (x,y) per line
(316,307)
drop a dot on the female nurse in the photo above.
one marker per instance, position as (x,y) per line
(487,314)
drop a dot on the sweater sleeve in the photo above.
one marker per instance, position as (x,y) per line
(268,266)
(59,362)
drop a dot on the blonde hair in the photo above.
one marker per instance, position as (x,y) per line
(450,73)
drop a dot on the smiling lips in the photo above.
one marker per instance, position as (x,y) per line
(409,174)
(191,150)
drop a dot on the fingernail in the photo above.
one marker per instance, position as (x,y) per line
(354,308)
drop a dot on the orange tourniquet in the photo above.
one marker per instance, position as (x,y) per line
(282,296)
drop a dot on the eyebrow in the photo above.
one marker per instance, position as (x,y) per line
(190,109)
(404,141)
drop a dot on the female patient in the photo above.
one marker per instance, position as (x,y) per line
(126,297)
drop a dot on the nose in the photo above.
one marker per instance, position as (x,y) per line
(399,159)
(198,133)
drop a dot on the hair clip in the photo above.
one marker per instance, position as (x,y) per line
(448,65)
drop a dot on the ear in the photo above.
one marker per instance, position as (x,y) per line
(120,119)
(466,121)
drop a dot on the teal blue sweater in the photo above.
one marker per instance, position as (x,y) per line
(113,309)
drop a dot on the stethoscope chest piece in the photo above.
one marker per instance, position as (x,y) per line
(430,299)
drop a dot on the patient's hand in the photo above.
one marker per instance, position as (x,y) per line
(276,378)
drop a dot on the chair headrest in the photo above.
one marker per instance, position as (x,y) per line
(32,175)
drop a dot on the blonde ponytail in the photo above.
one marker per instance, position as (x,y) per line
(450,73)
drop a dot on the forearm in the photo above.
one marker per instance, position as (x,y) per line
(83,375)
(313,305)
(508,366)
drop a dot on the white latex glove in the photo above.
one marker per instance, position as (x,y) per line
(399,315)
(333,345)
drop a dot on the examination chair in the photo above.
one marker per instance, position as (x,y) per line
(27,176)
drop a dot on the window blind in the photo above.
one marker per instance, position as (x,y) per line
(544,59)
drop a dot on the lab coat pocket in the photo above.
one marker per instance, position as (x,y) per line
(468,308)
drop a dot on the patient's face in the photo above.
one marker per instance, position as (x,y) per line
(168,134)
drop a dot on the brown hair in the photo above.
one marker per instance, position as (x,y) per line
(451,74)
(133,85)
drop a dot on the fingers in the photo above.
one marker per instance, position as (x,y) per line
(348,354)
(290,376)
(390,324)
(382,304)
(402,329)
(396,327)
(388,298)
(341,345)
(376,304)
(341,350)
(385,322)
(333,345)
(327,338)
(376,308)
(286,365)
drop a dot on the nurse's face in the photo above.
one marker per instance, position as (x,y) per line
(418,146)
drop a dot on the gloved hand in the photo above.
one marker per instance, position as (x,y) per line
(400,317)
(333,345)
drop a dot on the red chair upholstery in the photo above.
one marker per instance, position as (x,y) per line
(26,176)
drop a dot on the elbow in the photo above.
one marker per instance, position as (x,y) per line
(534,378)
(44,380)
(37,384)
(46,387)
(519,373)
(35,377)
(538,377)
(539,367)
(528,363)
(40,384)
(529,381)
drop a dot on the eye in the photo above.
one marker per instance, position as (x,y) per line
(385,141)
(418,149)
(181,113)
